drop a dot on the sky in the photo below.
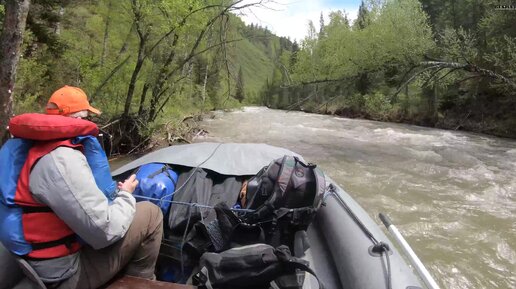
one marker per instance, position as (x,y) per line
(290,18)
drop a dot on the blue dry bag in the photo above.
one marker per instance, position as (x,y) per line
(156,181)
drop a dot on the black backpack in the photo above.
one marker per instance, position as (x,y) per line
(285,195)
(286,182)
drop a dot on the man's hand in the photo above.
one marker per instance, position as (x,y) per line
(129,185)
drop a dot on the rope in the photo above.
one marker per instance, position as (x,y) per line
(191,204)
(183,240)
(364,229)
(389,272)
(193,172)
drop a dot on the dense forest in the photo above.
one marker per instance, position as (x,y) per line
(149,64)
(449,64)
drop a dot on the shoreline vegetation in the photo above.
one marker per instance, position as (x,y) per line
(156,67)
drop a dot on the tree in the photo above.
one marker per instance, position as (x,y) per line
(240,93)
(363,16)
(321,26)
(293,56)
(10,42)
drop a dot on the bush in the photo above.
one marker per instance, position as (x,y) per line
(377,106)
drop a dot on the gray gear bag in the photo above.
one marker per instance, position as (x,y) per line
(258,266)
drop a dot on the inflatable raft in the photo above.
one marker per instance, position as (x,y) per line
(342,237)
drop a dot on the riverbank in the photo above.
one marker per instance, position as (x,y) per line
(175,131)
(453,120)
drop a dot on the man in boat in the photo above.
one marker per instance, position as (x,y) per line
(60,195)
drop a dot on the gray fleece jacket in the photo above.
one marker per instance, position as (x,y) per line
(63,181)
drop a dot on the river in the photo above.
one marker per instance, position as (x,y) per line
(451,194)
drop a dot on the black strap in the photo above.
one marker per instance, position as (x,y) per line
(31,210)
(265,210)
(67,241)
(163,169)
(157,172)
(283,254)
(295,263)
(295,213)
(169,176)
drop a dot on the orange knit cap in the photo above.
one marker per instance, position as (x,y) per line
(69,99)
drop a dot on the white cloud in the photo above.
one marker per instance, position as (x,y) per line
(290,17)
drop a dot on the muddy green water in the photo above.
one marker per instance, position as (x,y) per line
(451,194)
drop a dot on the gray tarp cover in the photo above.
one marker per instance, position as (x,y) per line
(236,159)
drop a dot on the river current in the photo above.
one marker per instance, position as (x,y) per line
(451,194)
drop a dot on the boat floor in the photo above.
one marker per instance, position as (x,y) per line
(129,282)
(318,255)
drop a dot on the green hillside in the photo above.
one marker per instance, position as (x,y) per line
(257,55)
(257,66)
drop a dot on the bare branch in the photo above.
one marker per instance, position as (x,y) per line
(290,107)
(432,76)
(471,68)
(110,75)
(412,78)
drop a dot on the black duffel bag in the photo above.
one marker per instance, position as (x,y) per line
(253,266)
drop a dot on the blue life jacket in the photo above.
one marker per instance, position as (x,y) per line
(12,158)
(99,164)
(156,181)
(13,155)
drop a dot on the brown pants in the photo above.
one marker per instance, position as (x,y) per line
(134,255)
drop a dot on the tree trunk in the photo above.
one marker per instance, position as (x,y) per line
(205,82)
(134,77)
(10,43)
(142,99)
(157,90)
(57,29)
(142,36)
(106,35)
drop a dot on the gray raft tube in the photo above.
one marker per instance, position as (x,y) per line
(351,250)
(10,272)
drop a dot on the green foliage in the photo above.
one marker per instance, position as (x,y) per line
(31,78)
(358,69)
(95,45)
(356,102)
(458,45)
(500,42)
(253,56)
(377,105)
(388,37)
(503,56)
(2,14)
(363,19)
(145,60)
(398,33)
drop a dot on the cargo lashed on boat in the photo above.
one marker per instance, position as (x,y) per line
(342,237)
